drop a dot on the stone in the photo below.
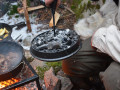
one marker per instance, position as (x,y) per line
(66,84)
(51,81)
(111,77)
(61,73)
(37,63)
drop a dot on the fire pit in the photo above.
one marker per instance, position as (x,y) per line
(48,47)
(27,79)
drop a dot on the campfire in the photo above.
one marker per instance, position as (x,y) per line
(6,83)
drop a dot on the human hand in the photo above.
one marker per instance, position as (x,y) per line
(48,2)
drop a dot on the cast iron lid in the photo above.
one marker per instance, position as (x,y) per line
(48,47)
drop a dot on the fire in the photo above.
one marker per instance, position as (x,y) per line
(4,84)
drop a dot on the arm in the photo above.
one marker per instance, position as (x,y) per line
(107,40)
(48,2)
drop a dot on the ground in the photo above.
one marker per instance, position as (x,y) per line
(40,21)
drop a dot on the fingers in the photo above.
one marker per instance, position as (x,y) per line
(48,2)
(58,3)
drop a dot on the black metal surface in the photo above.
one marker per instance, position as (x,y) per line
(9,28)
(26,81)
(53,8)
(7,47)
(58,54)
(116,2)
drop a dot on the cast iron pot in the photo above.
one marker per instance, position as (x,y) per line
(7,45)
(56,56)
(9,28)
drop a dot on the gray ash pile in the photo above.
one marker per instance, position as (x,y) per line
(48,43)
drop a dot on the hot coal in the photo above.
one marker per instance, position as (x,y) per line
(25,73)
(48,43)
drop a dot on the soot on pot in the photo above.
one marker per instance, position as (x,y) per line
(48,43)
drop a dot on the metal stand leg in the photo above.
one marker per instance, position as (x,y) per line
(38,84)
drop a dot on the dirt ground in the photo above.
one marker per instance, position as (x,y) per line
(66,21)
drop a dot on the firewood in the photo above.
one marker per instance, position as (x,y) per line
(21,10)
(24,2)
(57,16)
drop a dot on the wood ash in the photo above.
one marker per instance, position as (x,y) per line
(48,43)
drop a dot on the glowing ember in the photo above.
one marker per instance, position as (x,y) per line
(4,84)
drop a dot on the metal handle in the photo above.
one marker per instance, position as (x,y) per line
(42,2)
(53,8)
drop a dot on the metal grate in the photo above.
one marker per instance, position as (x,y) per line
(33,78)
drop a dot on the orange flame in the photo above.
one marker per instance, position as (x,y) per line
(4,84)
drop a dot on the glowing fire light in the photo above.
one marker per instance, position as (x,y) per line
(4,84)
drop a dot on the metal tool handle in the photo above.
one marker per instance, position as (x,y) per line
(53,8)
(42,2)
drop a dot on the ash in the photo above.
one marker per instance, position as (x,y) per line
(47,42)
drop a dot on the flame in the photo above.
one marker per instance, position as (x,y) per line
(4,84)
